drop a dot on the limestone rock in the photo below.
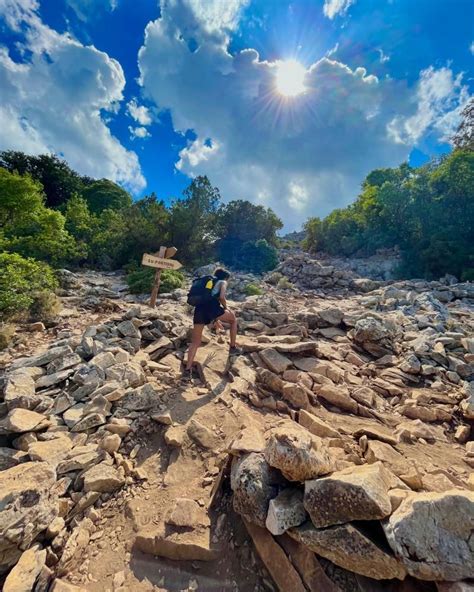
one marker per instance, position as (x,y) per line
(277,362)
(431,533)
(23,576)
(28,505)
(141,398)
(356,493)
(19,390)
(250,439)
(128,329)
(337,396)
(127,374)
(285,511)
(111,443)
(316,426)
(42,359)
(282,571)
(103,478)
(296,395)
(254,484)
(202,435)
(347,546)
(51,451)
(187,512)
(22,420)
(297,453)
(9,457)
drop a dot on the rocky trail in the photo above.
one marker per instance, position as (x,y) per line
(335,453)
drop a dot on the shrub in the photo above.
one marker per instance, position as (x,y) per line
(6,334)
(20,280)
(285,284)
(140,280)
(258,256)
(253,290)
(45,307)
(274,278)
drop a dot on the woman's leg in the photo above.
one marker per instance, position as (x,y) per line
(229,317)
(195,343)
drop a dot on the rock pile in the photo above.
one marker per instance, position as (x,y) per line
(68,420)
(355,468)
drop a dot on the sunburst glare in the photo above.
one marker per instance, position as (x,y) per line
(289,78)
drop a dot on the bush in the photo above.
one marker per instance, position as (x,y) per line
(45,307)
(274,278)
(7,331)
(20,280)
(258,257)
(285,284)
(253,290)
(140,280)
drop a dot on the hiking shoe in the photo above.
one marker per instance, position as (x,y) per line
(235,351)
(187,375)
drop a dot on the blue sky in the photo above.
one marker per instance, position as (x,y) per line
(152,94)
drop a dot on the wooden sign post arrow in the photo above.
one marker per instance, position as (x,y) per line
(159,261)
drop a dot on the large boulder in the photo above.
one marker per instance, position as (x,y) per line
(297,453)
(285,511)
(431,533)
(375,336)
(356,493)
(254,484)
(350,548)
(28,505)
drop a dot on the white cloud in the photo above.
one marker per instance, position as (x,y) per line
(440,98)
(383,57)
(85,9)
(138,132)
(471,48)
(302,156)
(53,101)
(332,8)
(140,114)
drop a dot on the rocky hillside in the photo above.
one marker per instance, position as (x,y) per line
(335,453)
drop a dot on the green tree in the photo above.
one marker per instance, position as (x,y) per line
(240,222)
(20,280)
(58,180)
(27,226)
(192,225)
(104,194)
(258,256)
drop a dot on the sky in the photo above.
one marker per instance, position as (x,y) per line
(151,94)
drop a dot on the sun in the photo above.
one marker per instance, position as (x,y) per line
(290,77)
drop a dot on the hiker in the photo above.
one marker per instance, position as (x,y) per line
(208,295)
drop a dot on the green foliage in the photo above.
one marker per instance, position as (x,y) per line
(284,283)
(240,224)
(20,280)
(258,257)
(104,194)
(57,179)
(428,213)
(192,224)
(140,280)
(45,306)
(27,226)
(253,290)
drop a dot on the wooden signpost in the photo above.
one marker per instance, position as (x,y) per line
(160,260)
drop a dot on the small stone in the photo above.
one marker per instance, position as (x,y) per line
(163,418)
(285,511)
(110,443)
(55,527)
(103,478)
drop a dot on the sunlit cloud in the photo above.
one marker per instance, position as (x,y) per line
(332,8)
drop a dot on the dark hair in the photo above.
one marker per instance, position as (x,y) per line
(221,274)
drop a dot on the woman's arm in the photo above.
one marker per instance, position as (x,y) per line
(222,293)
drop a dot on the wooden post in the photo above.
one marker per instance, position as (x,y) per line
(156,285)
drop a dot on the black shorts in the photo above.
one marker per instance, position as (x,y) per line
(208,312)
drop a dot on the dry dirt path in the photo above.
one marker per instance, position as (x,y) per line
(135,547)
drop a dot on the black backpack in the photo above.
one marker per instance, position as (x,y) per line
(201,290)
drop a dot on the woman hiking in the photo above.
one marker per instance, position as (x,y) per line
(212,311)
